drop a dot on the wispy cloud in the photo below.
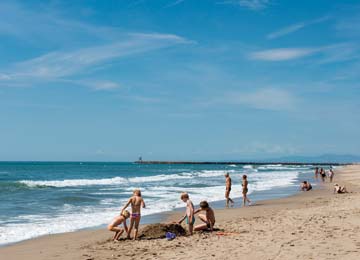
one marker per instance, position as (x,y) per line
(250,4)
(295,27)
(265,98)
(84,47)
(282,54)
(174,3)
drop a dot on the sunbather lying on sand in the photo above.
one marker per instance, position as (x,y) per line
(339,189)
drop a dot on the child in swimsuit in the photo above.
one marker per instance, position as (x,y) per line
(189,213)
(118,220)
(136,202)
(208,218)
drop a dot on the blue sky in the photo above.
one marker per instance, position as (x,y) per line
(178,79)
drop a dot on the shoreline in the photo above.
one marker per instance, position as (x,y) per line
(160,217)
(250,225)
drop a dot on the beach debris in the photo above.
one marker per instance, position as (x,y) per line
(157,231)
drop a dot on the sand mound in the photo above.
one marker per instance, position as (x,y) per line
(155,231)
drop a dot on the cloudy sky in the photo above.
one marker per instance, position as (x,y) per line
(178,79)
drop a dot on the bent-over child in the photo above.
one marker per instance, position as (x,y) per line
(118,220)
(208,218)
(189,213)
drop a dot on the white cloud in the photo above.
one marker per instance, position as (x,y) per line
(64,64)
(282,54)
(250,4)
(266,98)
(295,27)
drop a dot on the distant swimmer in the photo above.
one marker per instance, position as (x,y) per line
(306,186)
(227,190)
(245,191)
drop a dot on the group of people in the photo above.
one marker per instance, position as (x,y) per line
(306,186)
(323,174)
(137,202)
(207,217)
(245,190)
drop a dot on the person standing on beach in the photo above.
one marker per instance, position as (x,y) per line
(331,174)
(245,191)
(322,174)
(189,213)
(227,190)
(316,173)
(136,202)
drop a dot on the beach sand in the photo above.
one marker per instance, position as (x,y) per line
(311,225)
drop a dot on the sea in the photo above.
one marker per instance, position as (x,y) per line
(40,198)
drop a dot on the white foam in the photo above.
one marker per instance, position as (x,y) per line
(75,182)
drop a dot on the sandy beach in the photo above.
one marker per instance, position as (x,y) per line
(311,225)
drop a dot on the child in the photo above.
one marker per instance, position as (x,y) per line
(208,218)
(306,186)
(121,219)
(137,203)
(189,213)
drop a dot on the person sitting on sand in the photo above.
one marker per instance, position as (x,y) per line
(136,202)
(118,220)
(339,189)
(245,191)
(227,190)
(306,186)
(208,218)
(189,213)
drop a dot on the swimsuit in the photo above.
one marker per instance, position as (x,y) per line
(135,215)
(187,220)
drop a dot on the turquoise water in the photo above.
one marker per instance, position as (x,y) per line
(39,198)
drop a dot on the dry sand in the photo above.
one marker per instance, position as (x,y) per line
(312,225)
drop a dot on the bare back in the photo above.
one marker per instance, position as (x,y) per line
(210,215)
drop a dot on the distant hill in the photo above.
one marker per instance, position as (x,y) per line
(328,158)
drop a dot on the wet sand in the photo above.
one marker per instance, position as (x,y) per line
(311,225)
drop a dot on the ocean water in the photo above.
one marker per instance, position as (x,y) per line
(39,198)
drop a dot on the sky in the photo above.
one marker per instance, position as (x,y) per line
(178,79)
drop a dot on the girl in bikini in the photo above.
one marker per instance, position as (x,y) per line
(136,202)
(118,220)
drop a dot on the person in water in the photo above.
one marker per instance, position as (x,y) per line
(322,174)
(136,202)
(245,190)
(189,213)
(208,218)
(316,173)
(227,190)
(118,220)
(306,186)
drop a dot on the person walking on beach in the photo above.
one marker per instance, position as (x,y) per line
(189,213)
(316,173)
(322,174)
(331,174)
(245,190)
(136,202)
(227,190)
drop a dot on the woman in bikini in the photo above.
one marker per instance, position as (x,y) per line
(245,190)
(136,202)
